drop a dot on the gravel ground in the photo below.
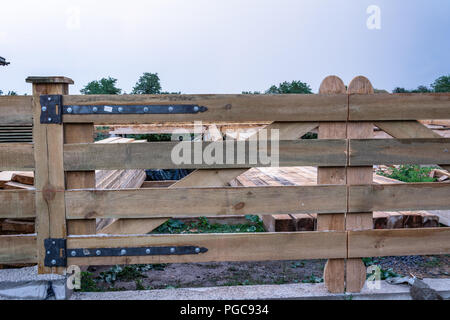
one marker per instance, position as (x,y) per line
(251,273)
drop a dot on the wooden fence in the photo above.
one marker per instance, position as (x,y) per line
(66,204)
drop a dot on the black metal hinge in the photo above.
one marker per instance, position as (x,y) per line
(51,109)
(57,253)
(135,109)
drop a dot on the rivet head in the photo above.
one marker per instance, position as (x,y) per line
(172,250)
(69,110)
(49,99)
(44,109)
(49,119)
(146,109)
(98,252)
(73,253)
(147,251)
(120,109)
(94,109)
(170,109)
(48,252)
(123,252)
(195,109)
(53,261)
(197,250)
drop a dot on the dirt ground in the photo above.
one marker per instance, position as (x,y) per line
(251,273)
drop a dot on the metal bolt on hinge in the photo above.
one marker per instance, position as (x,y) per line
(73,253)
(197,250)
(145,109)
(69,110)
(172,250)
(170,109)
(147,251)
(94,109)
(98,252)
(53,261)
(44,109)
(123,252)
(120,109)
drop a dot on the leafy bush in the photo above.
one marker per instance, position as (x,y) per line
(410,173)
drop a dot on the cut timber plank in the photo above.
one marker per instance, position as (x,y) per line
(380,243)
(399,151)
(158,184)
(49,175)
(17,204)
(16,110)
(399,106)
(231,108)
(278,223)
(16,156)
(146,203)
(17,185)
(5,176)
(18,249)
(355,269)
(96,156)
(221,247)
(25,177)
(334,272)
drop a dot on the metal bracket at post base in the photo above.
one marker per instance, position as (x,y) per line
(57,253)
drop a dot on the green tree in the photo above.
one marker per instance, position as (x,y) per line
(250,92)
(148,83)
(421,89)
(441,84)
(290,87)
(1,92)
(400,90)
(12,93)
(103,86)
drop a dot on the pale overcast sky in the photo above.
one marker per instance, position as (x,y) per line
(227,46)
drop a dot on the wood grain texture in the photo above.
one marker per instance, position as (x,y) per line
(334,272)
(18,249)
(96,156)
(80,133)
(401,242)
(16,157)
(16,110)
(399,197)
(408,130)
(141,203)
(289,107)
(221,247)
(17,204)
(399,151)
(355,269)
(49,176)
(418,106)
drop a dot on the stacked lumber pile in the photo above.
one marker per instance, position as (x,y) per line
(16,180)
(290,176)
(11,133)
(105,179)
(118,179)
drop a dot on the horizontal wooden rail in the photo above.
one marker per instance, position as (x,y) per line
(139,203)
(246,247)
(274,107)
(97,156)
(18,249)
(16,110)
(17,204)
(411,106)
(221,247)
(220,108)
(147,203)
(399,197)
(322,152)
(402,242)
(16,157)
(399,151)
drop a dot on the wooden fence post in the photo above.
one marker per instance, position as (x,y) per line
(49,169)
(355,268)
(334,273)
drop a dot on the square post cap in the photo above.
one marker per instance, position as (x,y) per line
(49,80)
